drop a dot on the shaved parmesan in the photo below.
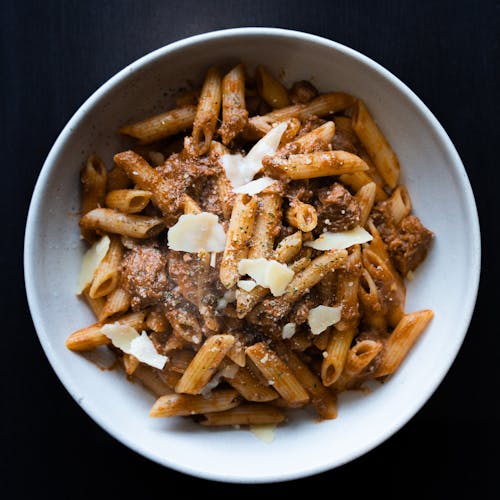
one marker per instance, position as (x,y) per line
(227,298)
(321,317)
(247,285)
(196,232)
(264,432)
(240,170)
(90,262)
(288,330)
(129,341)
(255,186)
(340,240)
(267,273)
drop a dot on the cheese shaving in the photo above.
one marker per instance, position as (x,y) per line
(129,341)
(288,331)
(90,262)
(264,432)
(340,240)
(247,285)
(256,186)
(196,232)
(267,273)
(240,170)
(321,317)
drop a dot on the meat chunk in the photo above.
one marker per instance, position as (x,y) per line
(302,92)
(337,209)
(144,275)
(410,245)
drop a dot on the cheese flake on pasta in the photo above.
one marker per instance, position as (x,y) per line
(256,186)
(321,317)
(247,285)
(129,341)
(267,273)
(195,232)
(264,432)
(91,260)
(340,240)
(288,331)
(240,170)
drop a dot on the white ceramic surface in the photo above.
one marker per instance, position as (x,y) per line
(447,282)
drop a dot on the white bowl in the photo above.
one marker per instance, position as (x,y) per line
(446,282)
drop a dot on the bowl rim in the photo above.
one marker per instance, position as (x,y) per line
(37,197)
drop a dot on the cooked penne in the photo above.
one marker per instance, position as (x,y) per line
(270,89)
(118,301)
(110,221)
(128,201)
(375,144)
(302,282)
(131,363)
(322,105)
(266,225)
(117,179)
(248,414)
(163,125)
(172,405)
(250,387)
(163,192)
(401,341)
(93,178)
(301,215)
(374,306)
(286,250)
(151,379)
(204,364)
(190,206)
(357,180)
(319,164)
(207,112)
(322,399)
(336,355)
(365,197)
(91,336)
(107,275)
(96,305)
(277,373)
(234,113)
(238,235)
(319,139)
(398,205)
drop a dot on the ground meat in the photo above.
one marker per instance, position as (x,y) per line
(144,275)
(337,209)
(302,92)
(409,248)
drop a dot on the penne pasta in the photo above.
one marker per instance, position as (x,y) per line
(247,414)
(204,364)
(110,221)
(336,355)
(131,363)
(301,215)
(270,89)
(163,125)
(151,379)
(266,226)
(128,201)
(365,197)
(118,301)
(207,113)
(278,374)
(234,113)
(406,333)
(91,336)
(172,405)
(238,235)
(107,275)
(117,179)
(319,139)
(375,144)
(318,164)
(250,387)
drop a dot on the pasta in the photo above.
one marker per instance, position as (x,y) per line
(256,262)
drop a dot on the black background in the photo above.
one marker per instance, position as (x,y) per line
(54,54)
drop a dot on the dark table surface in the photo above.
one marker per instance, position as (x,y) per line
(54,54)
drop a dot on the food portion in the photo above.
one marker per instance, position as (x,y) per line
(248,254)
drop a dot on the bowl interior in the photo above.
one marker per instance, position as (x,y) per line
(446,282)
